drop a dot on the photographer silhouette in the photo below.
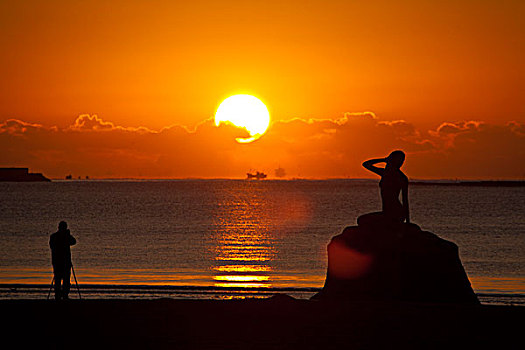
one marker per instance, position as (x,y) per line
(60,243)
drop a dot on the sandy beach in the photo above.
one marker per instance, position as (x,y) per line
(277,323)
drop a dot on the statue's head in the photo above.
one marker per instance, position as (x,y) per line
(395,159)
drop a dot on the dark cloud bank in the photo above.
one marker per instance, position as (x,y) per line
(317,148)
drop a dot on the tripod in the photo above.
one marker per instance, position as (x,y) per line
(76,282)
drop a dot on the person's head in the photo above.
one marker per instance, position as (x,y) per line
(395,159)
(62,225)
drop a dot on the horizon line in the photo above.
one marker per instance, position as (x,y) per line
(452,180)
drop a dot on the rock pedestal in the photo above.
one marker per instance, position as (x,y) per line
(395,262)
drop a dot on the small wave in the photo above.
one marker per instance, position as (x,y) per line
(114,291)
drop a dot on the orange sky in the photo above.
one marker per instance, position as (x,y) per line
(164,66)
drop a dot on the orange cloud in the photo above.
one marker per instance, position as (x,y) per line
(474,149)
(16,127)
(85,122)
(314,148)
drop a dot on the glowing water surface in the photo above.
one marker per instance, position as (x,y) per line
(234,238)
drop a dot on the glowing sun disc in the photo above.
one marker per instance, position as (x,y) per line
(244,111)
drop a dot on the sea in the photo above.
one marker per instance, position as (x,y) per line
(223,239)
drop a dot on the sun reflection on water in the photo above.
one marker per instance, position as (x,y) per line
(243,247)
(243,268)
(246,278)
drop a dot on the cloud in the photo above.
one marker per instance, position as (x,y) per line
(91,123)
(475,149)
(86,122)
(458,127)
(314,148)
(15,127)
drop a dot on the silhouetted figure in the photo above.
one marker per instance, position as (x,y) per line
(393,181)
(384,258)
(60,243)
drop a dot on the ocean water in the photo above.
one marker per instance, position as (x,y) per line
(237,238)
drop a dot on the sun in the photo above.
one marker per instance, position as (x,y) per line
(244,111)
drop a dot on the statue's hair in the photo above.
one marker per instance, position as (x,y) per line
(397,153)
(396,158)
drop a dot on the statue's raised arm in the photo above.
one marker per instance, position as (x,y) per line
(370,165)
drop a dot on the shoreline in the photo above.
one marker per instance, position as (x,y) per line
(279,322)
(20,291)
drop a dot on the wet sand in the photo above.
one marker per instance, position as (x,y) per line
(277,323)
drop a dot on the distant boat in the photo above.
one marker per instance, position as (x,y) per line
(280,172)
(257,176)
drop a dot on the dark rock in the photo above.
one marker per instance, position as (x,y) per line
(396,262)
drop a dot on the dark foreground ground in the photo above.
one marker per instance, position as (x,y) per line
(278,323)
